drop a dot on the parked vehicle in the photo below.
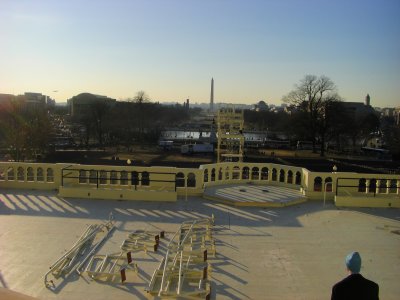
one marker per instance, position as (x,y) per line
(165,145)
(376,152)
(197,148)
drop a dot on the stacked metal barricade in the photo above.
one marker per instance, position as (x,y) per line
(113,267)
(184,272)
(89,241)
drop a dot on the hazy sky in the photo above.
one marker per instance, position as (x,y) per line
(255,50)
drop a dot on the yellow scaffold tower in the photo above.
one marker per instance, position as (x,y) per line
(230,135)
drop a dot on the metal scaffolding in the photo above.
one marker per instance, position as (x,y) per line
(230,124)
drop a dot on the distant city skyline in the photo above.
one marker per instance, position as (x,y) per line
(254,50)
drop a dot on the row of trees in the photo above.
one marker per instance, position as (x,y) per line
(28,131)
(319,115)
(136,120)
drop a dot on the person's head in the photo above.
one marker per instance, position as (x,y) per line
(353,262)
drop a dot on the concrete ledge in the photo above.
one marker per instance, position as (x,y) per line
(34,185)
(351,201)
(12,295)
(117,194)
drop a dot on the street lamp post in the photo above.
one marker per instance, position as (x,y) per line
(334,170)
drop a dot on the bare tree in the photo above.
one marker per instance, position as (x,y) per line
(99,111)
(141,97)
(25,130)
(314,96)
(13,128)
(142,100)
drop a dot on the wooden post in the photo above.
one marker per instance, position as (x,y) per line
(123,275)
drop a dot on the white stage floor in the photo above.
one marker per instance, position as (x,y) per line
(295,252)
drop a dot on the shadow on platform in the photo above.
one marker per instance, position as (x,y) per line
(254,195)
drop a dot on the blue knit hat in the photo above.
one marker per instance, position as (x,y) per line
(353,262)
